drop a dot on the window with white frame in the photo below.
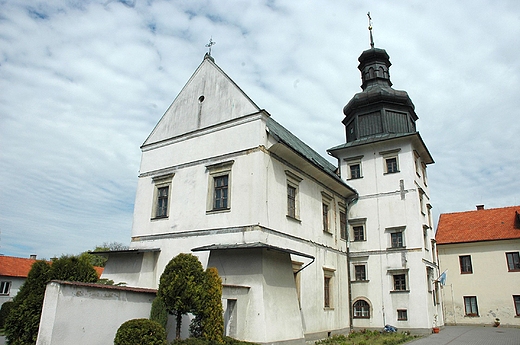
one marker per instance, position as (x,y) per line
(293,186)
(396,237)
(162,191)
(357,229)
(421,200)
(399,280)
(424,173)
(513,261)
(5,287)
(361,309)
(326,208)
(417,160)
(402,314)
(354,167)
(470,306)
(360,272)
(328,275)
(219,187)
(391,161)
(516,300)
(343,223)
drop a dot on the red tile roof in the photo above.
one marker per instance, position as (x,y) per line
(11,266)
(15,267)
(479,225)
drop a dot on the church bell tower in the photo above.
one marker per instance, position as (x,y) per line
(392,261)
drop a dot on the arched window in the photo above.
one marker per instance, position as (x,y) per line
(361,309)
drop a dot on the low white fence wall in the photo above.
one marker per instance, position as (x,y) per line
(85,314)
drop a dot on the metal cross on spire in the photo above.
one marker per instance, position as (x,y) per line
(370,29)
(211,43)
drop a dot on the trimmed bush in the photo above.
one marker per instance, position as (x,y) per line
(140,332)
(180,287)
(159,312)
(209,321)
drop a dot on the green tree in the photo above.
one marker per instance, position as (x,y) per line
(180,287)
(209,322)
(100,260)
(21,327)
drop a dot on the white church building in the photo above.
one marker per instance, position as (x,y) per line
(305,248)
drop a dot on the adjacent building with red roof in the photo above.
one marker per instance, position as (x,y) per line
(480,250)
(14,271)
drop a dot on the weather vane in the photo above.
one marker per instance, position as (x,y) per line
(211,43)
(370,29)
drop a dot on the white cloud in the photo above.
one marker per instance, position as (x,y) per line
(84,82)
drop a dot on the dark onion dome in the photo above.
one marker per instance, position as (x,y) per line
(378,109)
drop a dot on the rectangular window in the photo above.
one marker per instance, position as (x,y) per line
(5,287)
(396,239)
(470,306)
(391,165)
(328,274)
(325,213)
(516,299)
(326,292)
(402,314)
(513,261)
(360,272)
(291,201)
(293,183)
(162,202)
(219,187)
(355,171)
(359,232)
(220,200)
(343,225)
(399,282)
(465,264)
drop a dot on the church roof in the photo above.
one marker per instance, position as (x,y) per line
(209,97)
(299,146)
(479,225)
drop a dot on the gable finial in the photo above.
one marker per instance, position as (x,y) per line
(211,43)
(370,29)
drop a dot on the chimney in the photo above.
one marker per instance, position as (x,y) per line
(480,207)
(33,256)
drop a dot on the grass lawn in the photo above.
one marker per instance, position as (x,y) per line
(368,338)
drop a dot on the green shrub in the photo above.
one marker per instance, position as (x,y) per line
(202,341)
(140,332)
(4,312)
(158,312)
(209,322)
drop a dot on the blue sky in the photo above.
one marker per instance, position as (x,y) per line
(84,83)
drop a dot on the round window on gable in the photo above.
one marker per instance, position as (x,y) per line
(201,99)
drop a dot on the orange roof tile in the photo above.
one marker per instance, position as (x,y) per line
(15,267)
(479,225)
(11,266)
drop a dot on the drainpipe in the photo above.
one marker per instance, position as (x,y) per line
(349,201)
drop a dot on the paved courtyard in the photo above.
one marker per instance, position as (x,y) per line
(471,335)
